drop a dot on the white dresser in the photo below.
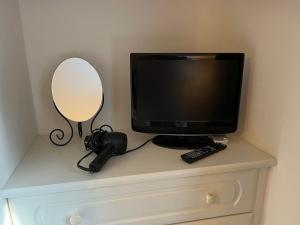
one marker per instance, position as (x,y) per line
(149,186)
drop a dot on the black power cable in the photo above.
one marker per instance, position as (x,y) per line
(140,146)
(79,162)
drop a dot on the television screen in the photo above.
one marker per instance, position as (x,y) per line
(196,93)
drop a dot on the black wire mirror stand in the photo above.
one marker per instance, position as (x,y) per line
(59,134)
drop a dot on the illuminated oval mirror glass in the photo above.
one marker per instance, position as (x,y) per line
(77,89)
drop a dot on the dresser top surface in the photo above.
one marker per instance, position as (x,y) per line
(47,167)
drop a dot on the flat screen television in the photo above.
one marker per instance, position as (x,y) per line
(185,96)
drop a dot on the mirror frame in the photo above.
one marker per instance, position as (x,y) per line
(58,133)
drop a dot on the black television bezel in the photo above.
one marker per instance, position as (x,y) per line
(189,128)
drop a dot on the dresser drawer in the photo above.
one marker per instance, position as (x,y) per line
(242,219)
(155,202)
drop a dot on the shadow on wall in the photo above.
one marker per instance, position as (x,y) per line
(16,115)
(17,123)
(244,99)
(257,32)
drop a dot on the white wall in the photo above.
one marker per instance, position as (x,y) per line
(104,32)
(17,123)
(269,32)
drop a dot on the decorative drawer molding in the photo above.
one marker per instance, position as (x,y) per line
(160,202)
(241,219)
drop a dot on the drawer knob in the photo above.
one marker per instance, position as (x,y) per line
(75,220)
(210,199)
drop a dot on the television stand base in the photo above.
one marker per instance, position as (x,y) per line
(181,142)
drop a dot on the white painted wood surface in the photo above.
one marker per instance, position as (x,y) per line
(161,202)
(151,186)
(260,195)
(242,219)
(48,169)
(5,218)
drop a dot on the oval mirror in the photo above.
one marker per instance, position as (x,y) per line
(77,89)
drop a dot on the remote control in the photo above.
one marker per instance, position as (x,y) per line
(202,152)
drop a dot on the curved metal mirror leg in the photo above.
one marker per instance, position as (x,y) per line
(93,120)
(80,129)
(59,133)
